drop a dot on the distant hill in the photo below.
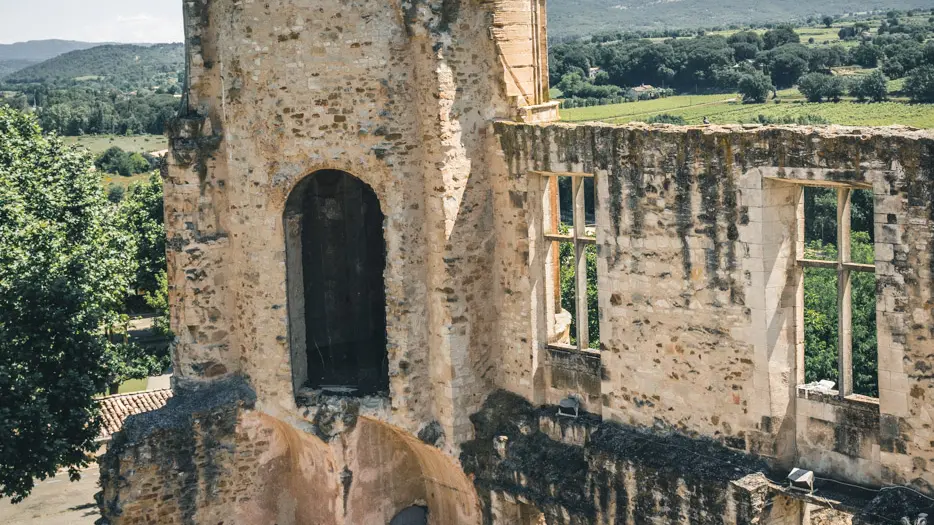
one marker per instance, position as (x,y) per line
(11,66)
(123,66)
(568,18)
(38,50)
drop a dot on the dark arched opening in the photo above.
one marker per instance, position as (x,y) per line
(336,255)
(411,516)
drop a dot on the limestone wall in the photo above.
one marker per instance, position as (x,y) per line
(209,457)
(700,291)
(401,96)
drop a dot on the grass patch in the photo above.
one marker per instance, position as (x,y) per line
(98,144)
(720,110)
(644,108)
(110,179)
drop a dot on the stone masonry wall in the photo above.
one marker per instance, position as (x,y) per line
(699,290)
(401,96)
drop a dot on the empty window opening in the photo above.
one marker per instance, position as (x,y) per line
(570,228)
(337,299)
(838,262)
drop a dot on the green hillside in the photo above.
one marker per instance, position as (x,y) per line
(38,50)
(11,66)
(120,66)
(568,18)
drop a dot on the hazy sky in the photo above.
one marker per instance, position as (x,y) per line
(91,20)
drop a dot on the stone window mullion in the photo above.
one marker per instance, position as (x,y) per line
(845,267)
(580,239)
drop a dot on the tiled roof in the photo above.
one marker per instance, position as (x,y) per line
(115,409)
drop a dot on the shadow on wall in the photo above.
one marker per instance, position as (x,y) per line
(375,474)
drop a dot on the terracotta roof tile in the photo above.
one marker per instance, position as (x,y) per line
(115,409)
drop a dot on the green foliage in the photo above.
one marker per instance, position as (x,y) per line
(104,90)
(787,64)
(574,85)
(142,217)
(115,193)
(568,294)
(124,67)
(158,301)
(799,120)
(568,18)
(866,55)
(755,87)
(872,87)
(115,160)
(920,84)
(817,87)
(80,110)
(821,318)
(665,118)
(827,21)
(780,36)
(64,271)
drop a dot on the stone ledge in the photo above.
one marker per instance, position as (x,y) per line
(832,397)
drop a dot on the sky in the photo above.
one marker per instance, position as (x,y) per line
(151,21)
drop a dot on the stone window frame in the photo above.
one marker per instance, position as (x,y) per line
(551,220)
(845,268)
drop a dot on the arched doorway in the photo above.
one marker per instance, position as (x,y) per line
(336,255)
(414,515)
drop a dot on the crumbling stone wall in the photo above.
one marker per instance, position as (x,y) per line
(210,457)
(399,96)
(402,96)
(693,410)
(697,233)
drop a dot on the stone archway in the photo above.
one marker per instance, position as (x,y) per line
(414,515)
(335,258)
(393,471)
(375,473)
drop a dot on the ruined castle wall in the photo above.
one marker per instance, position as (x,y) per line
(209,457)
(401,97)
(700,291)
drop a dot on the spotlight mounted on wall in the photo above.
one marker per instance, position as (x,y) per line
(801,479)
(569,407)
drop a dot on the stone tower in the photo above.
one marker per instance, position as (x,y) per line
(329,208)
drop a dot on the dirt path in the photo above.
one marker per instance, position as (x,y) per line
(56,501)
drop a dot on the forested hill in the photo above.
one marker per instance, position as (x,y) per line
(39,50)
(120,66)
(568,18)
(14,57)
(10,66)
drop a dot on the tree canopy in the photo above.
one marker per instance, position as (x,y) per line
(64,270)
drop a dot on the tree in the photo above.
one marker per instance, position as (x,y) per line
(142,216)
(812,86)
(746,37)
(780,36)
(115,160)
(819,86)
(920,84)
(574,85)
(787,64)
(872,87)
(755,87)
(64,271)
(828,21)
(666,118)
(867,55)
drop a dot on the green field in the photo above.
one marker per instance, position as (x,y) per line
(98,144)
(109,179)
(826,35)
(726,109)
(643,109)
